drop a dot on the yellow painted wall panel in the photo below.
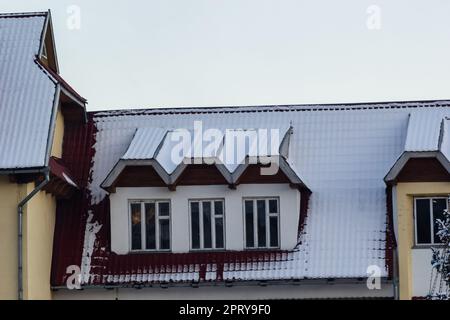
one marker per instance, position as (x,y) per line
(405,233)
(39,225)
(9,198)
(58,136)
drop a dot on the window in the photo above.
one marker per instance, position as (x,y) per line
(261,218)
(427,211)
(150,225)
(44,52)
(207,224)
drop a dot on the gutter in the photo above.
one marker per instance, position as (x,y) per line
(227,283)
(20,233)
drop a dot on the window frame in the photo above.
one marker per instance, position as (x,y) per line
(213,224)
(143,202)
(256,246)
(432,221)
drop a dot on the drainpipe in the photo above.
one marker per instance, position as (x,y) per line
(20,236)
(396,276)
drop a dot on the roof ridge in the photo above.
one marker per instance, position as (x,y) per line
(277,108)
(23,14)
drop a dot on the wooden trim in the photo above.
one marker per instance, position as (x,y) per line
(423,170)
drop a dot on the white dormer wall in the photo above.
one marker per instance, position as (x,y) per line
(289,199)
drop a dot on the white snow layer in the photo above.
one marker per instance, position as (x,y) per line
(343,155)
(26,94)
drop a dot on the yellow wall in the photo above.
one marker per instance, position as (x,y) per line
(10,194)
(405,218)
(39,225)
(58,135)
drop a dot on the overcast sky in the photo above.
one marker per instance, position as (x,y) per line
(166,53)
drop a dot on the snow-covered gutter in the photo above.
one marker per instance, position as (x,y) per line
(20,233)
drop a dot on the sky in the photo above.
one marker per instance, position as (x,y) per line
(175,53)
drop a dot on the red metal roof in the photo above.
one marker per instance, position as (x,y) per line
(71,219)
(107,268)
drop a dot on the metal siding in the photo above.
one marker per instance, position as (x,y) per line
(26,94)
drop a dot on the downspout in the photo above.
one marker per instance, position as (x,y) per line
(20,233)
(396,276)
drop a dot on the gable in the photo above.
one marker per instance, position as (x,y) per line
(138,176)
(423,170)
(201,174)
(252,174)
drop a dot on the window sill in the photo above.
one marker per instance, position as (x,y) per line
(262,249)
(428,246)
(149,251)
(209,250)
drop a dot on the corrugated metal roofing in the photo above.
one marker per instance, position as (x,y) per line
(343,153)
(228,146)
(26,93)
(445,139)
(144,144)
(424,130)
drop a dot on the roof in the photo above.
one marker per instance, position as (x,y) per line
(427,137)
(231,150)
(343,151)
(28,92)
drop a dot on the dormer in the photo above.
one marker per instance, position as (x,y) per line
(174,190)
(47,52)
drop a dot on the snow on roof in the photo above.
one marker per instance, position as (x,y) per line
(144,144)
(26,93)
(445,139)
(173,149)
(343,153)
(424,129)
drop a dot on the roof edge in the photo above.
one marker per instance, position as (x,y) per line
(24,14)
(275,107)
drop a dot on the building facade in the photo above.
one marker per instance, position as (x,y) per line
(299,201)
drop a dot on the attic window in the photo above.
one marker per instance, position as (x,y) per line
(207,224)
(150,225)
(427,211)
(262,223)
(44,52)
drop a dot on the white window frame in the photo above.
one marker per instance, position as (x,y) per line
(213,224)
(44,53)
(255,223)
(143,225)
(432,243)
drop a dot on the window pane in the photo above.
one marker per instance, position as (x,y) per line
(218,208)
(150,231)
(164,209)
(439,205)
(273,231)
(423,221)
(164,234)
(261,207)
(136,243)
(195,225)
(273,206)
(219,233)
(249,235)
(207,237)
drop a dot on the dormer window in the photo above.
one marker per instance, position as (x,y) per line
(207,224)
(150,225)
(44,52)
(261,218)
